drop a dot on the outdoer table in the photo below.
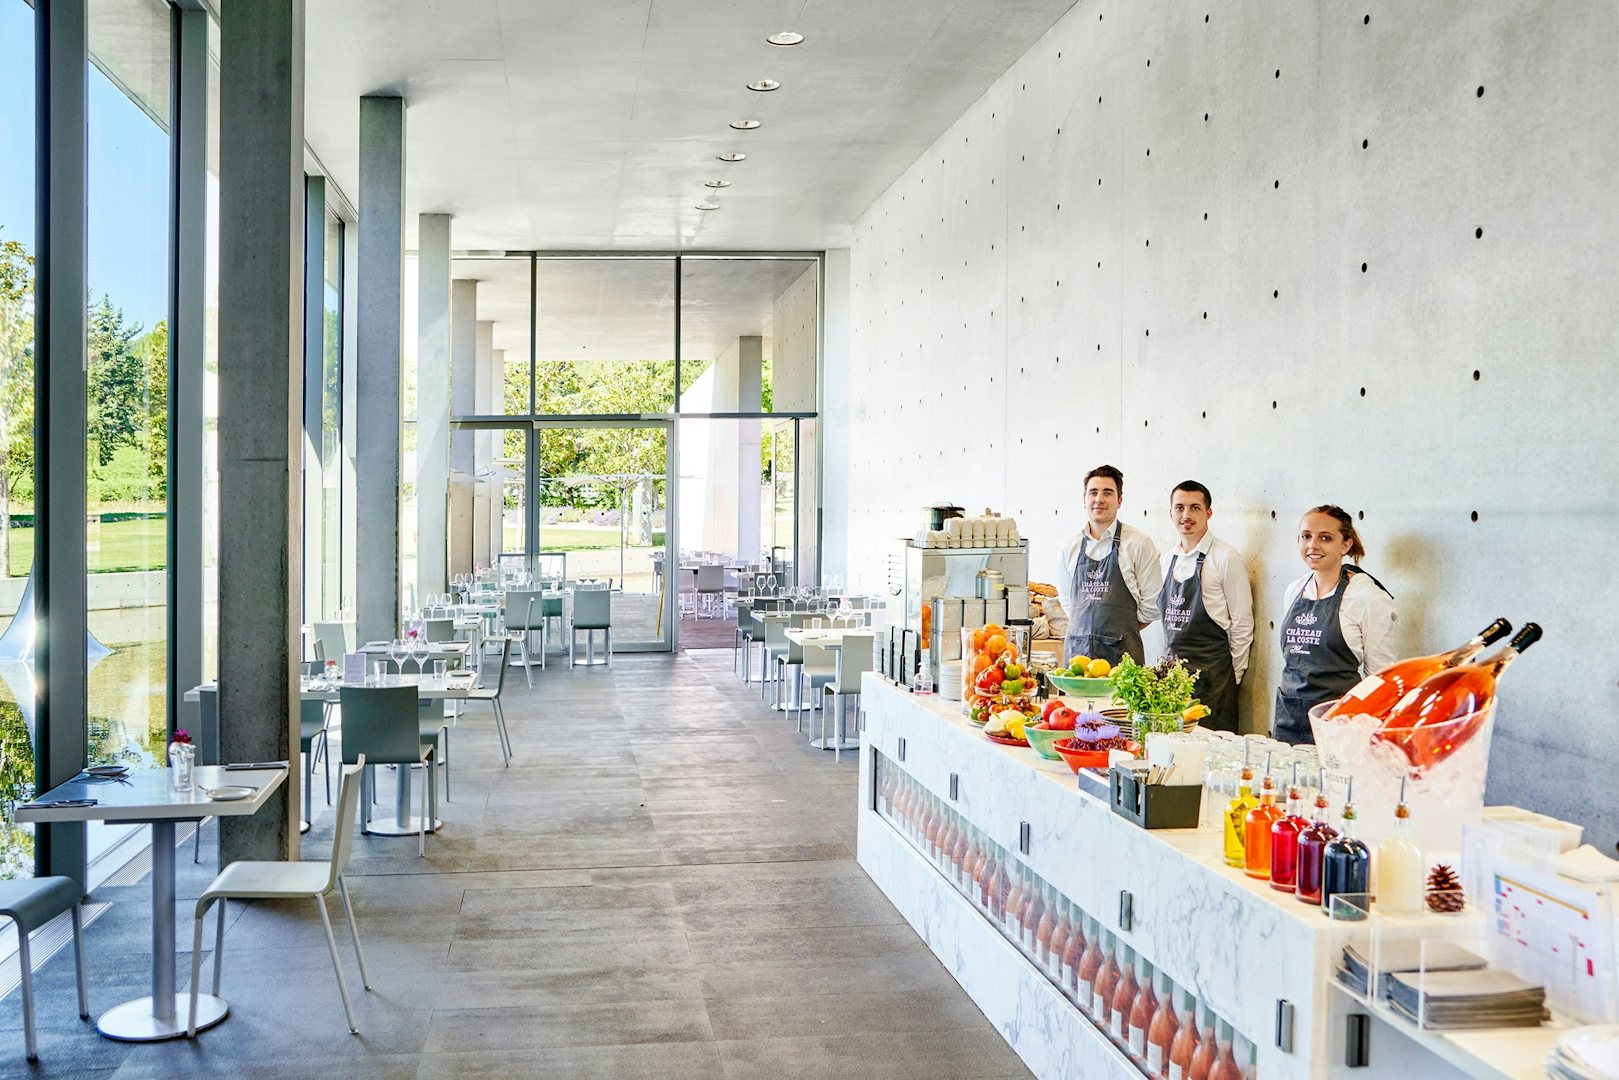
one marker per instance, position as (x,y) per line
(146,797)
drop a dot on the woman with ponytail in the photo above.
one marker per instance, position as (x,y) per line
(1339,626)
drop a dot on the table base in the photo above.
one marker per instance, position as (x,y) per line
(133,1020)
(409,827)
(834,744)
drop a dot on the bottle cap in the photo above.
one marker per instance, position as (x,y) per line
(1349,800)
(1401,810)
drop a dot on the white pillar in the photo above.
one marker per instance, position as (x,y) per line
(432,402)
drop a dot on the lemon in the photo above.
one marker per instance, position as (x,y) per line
(1078,664)
(1098,668)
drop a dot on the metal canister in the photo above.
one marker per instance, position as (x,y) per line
(990,584)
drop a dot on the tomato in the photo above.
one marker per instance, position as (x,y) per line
(989,681)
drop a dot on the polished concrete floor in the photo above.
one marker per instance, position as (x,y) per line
(661,885)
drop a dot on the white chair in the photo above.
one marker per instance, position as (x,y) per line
(482,693)
(288,881)
(820,667)
(520,619)
(710,588)
(686,590)
(854,660)
(592,611)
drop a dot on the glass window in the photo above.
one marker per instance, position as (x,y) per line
(210,377)
(330,601)
(16,428)
(748,334)
(604,333)
(489,362)
(126,475)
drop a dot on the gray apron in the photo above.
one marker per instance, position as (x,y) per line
(1192,635)
(1318,664)
(1104,621)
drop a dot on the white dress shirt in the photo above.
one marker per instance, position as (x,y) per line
(1138,561)
(1366,618)
(1227,593)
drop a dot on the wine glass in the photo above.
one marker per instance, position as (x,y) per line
(419,650)
(397,650)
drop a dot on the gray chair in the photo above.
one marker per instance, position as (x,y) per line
(522,619)
(820,666)
(312,735)
(854,660)
(481,693)
(288,881)
(710,589)
(31,903)
(433,727)
(592,611)
(334,639)
(381,725)
(440,630)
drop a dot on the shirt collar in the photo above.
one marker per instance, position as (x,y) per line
(1204,545)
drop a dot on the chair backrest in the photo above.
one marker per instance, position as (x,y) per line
(440,629)
(819,661)
(776,633)
(382,723)
(520,607)
(332,637)
(854,659)
(710,578)
(348,808)
(592,609)
(320,650)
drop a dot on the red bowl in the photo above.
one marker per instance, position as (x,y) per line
(1085,759)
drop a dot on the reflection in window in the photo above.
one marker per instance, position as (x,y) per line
(16,426)
(330,602)
(126,475)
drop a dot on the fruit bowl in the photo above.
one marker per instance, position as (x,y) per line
(1076,686)
(1042,738)
(1077,757)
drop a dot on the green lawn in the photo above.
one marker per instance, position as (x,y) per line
(582,538)
(125,545)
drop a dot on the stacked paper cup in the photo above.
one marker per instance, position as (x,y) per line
(949,681)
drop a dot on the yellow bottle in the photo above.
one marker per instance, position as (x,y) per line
(1236,816)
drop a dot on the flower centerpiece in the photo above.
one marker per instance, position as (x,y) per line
(182,760)
(1158,697)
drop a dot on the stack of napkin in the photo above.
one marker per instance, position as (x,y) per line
(1405,955)
(1486,998)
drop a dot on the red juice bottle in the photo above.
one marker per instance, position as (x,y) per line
(1284,838)
(1312,850)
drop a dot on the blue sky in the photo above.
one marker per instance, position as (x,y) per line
(128,177)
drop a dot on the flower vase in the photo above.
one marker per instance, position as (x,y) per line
(182,763)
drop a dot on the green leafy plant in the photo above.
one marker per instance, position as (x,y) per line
(1150,692)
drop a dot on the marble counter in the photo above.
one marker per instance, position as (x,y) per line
(1241,947)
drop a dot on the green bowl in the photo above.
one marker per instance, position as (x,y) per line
(1041,740)
(1075,686)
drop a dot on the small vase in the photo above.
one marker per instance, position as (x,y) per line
(1145,722)
(182,762)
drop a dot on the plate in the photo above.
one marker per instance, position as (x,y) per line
(1004,741)
(230,793)
(107,770)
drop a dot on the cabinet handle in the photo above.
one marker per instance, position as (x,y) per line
(902,749)
(1127,910)
(955,786)
(1023,834)
(1284,1025)
(1357,1041)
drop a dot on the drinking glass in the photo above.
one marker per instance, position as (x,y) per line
(419,649)
(379,672)
(398,650)
(439,668)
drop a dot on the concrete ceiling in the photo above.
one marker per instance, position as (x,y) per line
(592,124)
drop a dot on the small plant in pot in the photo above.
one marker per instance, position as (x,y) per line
(1158,697)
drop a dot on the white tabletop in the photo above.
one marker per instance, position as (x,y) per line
(147,796)
(441,649)
(429,688)
(823,637)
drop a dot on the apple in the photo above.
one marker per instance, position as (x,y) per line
(1062,719)
(1051,706)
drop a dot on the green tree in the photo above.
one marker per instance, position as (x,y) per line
(16,381)
(117,381)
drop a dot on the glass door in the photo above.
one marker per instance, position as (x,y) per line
(603,512)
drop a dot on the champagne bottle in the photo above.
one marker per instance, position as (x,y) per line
(1421,724)
(1377,695)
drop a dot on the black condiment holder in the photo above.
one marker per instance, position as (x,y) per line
(1153,806)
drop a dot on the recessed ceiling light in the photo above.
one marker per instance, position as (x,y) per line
(708,206)
(716,183)
(786,37)
(734,155)
(744,125)
(764,85)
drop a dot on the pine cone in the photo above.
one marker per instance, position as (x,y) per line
(1445,890)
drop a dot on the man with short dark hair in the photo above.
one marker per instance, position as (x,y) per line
(1207,604)
(1110,576)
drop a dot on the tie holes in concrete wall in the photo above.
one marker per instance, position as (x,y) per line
(1276,294)
(1361,514)
(1475,515)
(1278,73)
(1273,406)
(1363,391)
(1366,21)
(1273,515)
(1475,375)
(1363,268)
(1480,91)
(1275,184)
(1205,414)
(1478,234)
(1364,143)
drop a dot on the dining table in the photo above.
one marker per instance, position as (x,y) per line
(147,796)
(829,638)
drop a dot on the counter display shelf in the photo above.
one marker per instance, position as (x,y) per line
(990,852)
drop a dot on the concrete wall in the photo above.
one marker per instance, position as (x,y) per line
(1303,255)
(792,344)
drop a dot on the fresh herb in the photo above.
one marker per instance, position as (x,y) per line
(1164,689)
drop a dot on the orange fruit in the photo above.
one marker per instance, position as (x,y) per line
(978,639)
(980,662)
(991,629)
(995,644)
